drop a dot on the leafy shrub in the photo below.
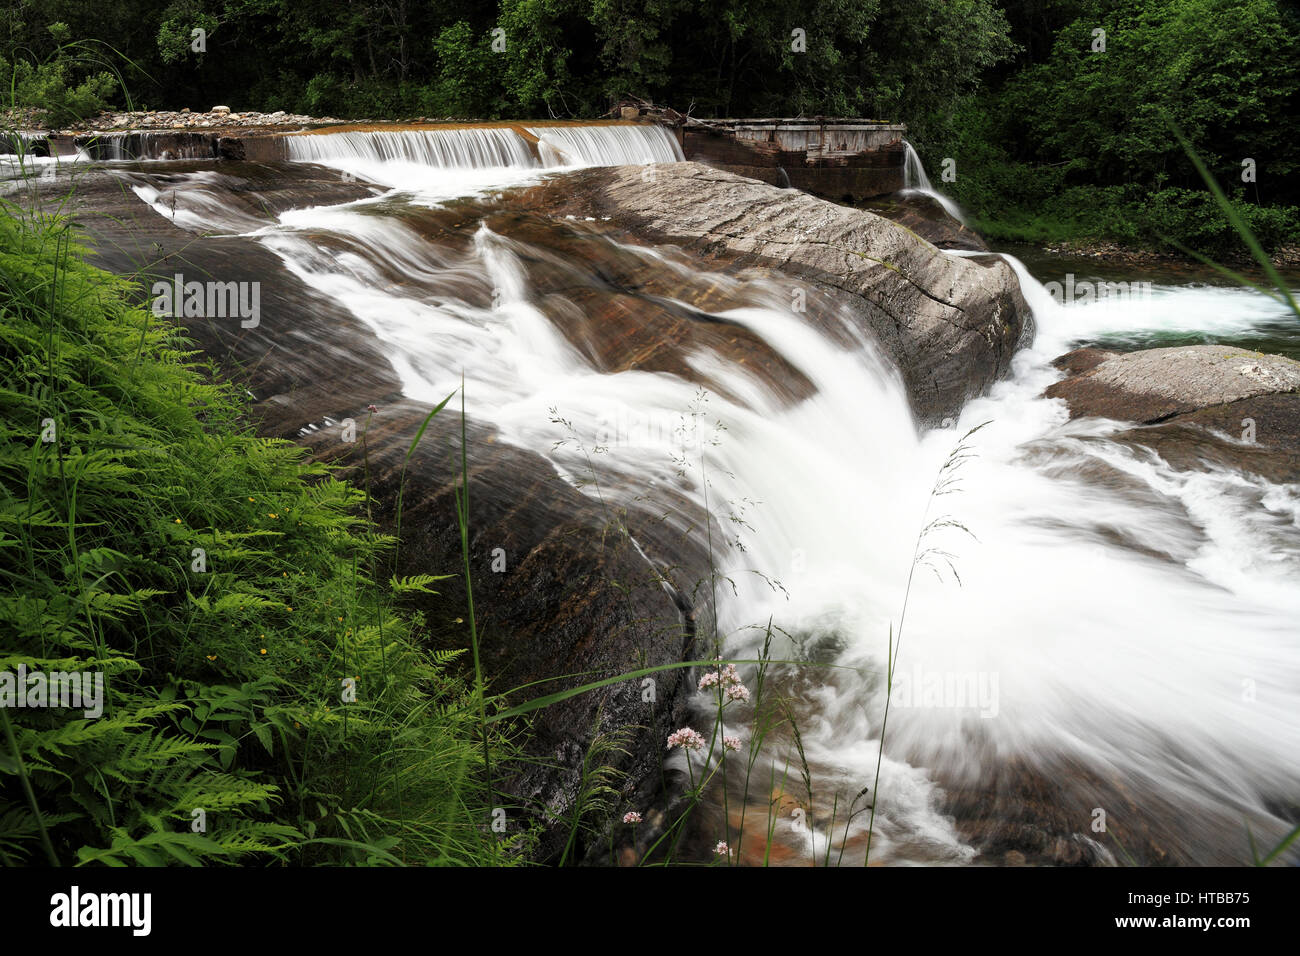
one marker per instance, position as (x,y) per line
(224,586)
(51,86)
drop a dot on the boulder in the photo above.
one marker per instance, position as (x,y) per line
(1082,360)
(950,324)
(1156,384)
(559,589)
(1197,405)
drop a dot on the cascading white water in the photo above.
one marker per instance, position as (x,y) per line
(493,147)
(108,147)
(914,178)
(17,161)
(472,148)
(200,203)
(1112,607)
(442,163)
(151,144)
(606,145)
(19,142)
(1094,650)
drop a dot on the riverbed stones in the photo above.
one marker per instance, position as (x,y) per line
(253,121)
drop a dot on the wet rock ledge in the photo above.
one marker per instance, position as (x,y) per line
(1195,405)
(951,325)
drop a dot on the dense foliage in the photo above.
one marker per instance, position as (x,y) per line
(226,590)
(1052,135)
(564,57)
(1079,142)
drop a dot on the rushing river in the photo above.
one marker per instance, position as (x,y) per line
(1107,639)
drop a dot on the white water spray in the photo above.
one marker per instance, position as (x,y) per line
(915,179)
(492,147)
(1117,608)
(606,145)
(433,165)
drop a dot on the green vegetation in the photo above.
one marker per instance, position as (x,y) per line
(232,593)
(1074,143)
(561,57)
(73,80)
(1053,136)
(225,588)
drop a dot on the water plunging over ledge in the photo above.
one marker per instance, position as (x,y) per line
(495,147)
(1110,606)
(915,179)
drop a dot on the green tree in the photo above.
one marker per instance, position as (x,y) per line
(1225,71)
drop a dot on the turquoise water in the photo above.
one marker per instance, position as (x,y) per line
(1274,329)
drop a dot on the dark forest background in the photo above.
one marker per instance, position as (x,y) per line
(1050,136)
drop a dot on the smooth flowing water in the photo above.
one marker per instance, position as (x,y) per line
(1123,637)
(915,180)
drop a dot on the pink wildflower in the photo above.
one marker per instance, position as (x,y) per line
(709,680)
(731,743)
(722,849)
(737,692)
(632,817)
(686,738)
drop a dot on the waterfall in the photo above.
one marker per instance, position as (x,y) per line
(1113,604)
(493,147)
(21,143)
(472,148)
(21,152)
(107,146)
(149,144)
(915,179)
(606,145)
(914,176)
(443,163)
